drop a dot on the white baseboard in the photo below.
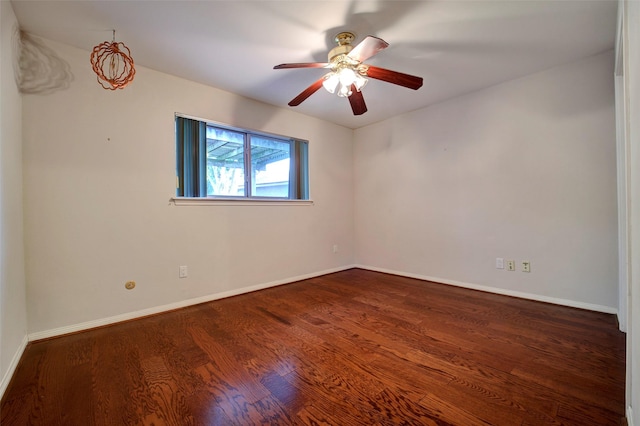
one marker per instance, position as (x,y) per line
(629,416)
(12,366)
(158,309)
(39,335)
(522,295)
(622,322)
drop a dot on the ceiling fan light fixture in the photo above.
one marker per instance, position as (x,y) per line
(345,91)
(342,79)
(330,82)
(347,76)
(360,81)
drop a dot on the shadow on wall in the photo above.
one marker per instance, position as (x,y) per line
(38,69)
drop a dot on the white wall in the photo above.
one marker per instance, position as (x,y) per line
(13,308)
(99,170)
(524,170)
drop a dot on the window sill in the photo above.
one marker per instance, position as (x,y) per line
(210,201)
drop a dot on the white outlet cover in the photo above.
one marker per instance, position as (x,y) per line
(184,272)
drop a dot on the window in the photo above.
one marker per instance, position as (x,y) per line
(219,161)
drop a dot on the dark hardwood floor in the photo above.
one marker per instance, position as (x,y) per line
(350,348)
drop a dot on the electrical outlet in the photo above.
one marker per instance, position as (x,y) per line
(511,265)
(499,263)
(335,248)
(526,266)
(184,272)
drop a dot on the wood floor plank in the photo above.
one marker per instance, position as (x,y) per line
(451,411)
(349,348)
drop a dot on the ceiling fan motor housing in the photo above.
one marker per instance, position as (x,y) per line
(344,46)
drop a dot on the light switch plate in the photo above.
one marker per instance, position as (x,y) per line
(184,272)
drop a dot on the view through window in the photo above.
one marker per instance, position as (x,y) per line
(219,161)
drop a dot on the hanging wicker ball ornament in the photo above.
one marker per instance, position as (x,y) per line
(113,64)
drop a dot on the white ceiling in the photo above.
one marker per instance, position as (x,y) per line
(456,46)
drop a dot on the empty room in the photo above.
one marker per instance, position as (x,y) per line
(304,212)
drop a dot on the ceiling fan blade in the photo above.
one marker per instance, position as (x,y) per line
(302,65)
(306,93)
(367,48)
(395,77)
(357,101)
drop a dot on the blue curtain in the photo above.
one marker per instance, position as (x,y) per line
(191,139)
(298,172)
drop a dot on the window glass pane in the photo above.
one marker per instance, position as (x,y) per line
(225,162)
(220,161)
(270,161)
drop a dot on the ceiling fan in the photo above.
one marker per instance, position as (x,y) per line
(347,75)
